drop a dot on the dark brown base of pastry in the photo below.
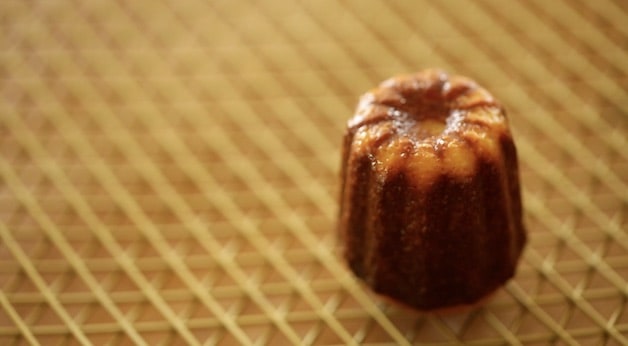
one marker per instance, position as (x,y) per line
(448,245)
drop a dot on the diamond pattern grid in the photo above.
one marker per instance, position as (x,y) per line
(169,170)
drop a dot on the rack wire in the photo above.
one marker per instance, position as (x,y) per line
(169,170)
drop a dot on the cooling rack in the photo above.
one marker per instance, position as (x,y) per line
(169,169)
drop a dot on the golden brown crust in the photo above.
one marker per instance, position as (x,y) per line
(428,120)
(430,93)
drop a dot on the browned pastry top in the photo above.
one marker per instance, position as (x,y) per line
(430,123)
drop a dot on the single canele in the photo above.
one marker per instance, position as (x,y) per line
(430,211)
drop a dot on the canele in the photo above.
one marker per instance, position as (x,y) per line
(430,206)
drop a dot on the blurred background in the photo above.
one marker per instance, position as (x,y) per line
(169,170)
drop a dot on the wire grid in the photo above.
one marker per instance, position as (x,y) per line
(169,170)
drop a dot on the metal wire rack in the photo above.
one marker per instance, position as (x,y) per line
(169,169)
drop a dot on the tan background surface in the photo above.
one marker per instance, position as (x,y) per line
(169,169)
